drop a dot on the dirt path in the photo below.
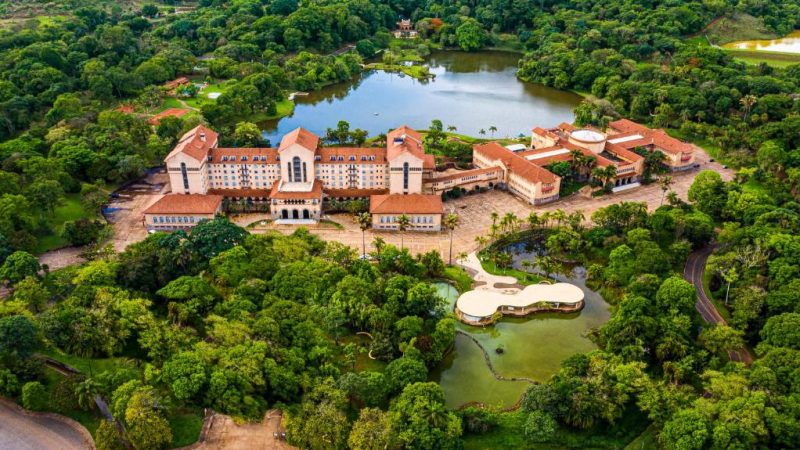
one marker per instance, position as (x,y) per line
(222,433)
(21,430)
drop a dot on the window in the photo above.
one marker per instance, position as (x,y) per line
(296,169)
(244,158)
(155,219)
(185,176)
(405,175)
(289,170)
(304,172)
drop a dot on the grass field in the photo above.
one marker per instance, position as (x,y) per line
(738,27)
(185,428)
(755,57)
(71,209)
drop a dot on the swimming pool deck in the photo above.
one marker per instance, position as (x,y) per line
(487,302)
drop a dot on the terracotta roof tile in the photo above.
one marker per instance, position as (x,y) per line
(186,204)
(627,126)
(406,204)
(196,143)
(302,137)
(404,139)
(516,164)
(315,192)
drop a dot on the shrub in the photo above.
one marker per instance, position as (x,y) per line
(34,396)
(82,231)
(539,426)
(9,385)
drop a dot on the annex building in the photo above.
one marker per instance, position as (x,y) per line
(294,180)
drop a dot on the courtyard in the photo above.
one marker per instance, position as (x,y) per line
(475,212)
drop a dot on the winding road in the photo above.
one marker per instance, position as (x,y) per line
(693,273)
(20,430)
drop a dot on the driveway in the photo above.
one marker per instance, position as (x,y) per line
(21,431)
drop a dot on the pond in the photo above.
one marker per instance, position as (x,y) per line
(471,91)
(534,347)
(787,44)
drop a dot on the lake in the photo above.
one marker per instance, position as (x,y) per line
(787,44)
(534,346)
(471,91)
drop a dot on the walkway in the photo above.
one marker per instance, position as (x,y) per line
(693,273)
(487,280)
(22,430)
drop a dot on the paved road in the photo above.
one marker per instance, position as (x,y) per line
(693,273)
(19,431)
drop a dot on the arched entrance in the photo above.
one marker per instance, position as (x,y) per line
(306,215)
(284,214)
(295,214)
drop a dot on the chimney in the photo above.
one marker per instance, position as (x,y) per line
(203,136)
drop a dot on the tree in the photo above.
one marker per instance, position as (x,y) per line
(186,375)
(450,223)
(146,426)
(32,293)
(783,330)
(470,35)
(247,134)
(403,222)
(404,371)
(708,193)
(85,392)
(493,130)
(364,222)
(211,237)
(421,419)
(18,336)
(539,426)
(721,339)
(371,431)
(19,266)
(107,438)
(34,396)
(687,430)
(664,183)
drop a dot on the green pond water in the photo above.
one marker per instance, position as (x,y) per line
(787,44)
(533,346)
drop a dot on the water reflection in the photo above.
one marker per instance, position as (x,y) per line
(471,91)
(787,44)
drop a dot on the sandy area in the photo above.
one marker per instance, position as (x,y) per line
(222,433)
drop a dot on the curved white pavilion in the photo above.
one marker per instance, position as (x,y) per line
(480,306)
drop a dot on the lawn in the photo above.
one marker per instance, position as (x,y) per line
(185,428)
(738,27)
(524,278)
(88,365)
(70,209)
(459,276)
(89,419)
(509,434)
(755,57)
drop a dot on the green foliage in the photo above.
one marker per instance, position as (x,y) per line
(34,396)
(18,266)
(539,426)
(421,420)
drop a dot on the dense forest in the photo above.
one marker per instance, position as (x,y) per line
(240,323)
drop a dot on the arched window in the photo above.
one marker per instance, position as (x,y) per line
(304,172)
(289,171)
(296,169)
(185,176)
(405,175)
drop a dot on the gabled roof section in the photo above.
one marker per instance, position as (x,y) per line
(406,204)
(516,163)
(404,139)
(302,137)
(195,143)
(185,204)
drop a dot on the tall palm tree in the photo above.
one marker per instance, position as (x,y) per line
(452,128)
(364,221)
(403,221)
(664,182)
(462,256)
(576,219)
(493,130)
(534,220)
(481,241)
(494,217)
(559,216)
(511,220)
(451,222)
(482,132)
(378,243)
(747,103)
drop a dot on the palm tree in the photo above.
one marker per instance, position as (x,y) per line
(378,243)
(452,128)
(494,217)
(451,222)
(493,129)
(747,102)
(481,241)
(534,220)
(559,216)
(85,392)
(576,219)
(364,221)
(462,256)
(665,182)
(482,132)
(403,221)
(510,220)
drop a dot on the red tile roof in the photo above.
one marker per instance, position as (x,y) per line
(315,192)
(196,143)
(302,137)
(406,204)
(186,204)
(405,139)
(649,137)
(627,126)
(169,112)
(516,164)
(253,155)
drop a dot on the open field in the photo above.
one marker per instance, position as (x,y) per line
(739,27)
(776,59)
